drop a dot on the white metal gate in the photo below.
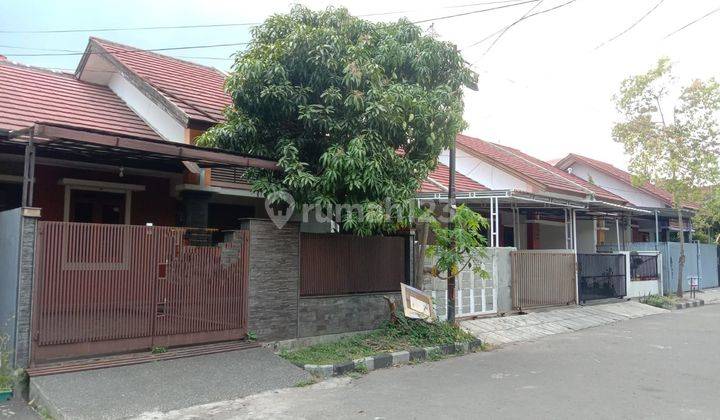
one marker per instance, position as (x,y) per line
(475,295)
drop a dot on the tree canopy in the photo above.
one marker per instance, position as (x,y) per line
(673,140)
(355,112)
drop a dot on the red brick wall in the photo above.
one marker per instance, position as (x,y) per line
(153,205)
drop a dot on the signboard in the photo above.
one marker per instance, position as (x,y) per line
(416,303)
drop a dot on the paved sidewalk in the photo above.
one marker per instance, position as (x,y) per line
(510,329)
(710,296)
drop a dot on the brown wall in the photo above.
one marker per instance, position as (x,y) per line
(153,205)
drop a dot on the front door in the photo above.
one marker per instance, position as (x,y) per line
(97,207)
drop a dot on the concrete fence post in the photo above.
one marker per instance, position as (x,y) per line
(26,276)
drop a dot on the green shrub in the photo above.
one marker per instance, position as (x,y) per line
(404,334)
(658,301)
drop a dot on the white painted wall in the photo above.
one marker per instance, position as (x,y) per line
(485,173)
(159,120)
(552,237)
(628,192)
(585,237)
(645,287)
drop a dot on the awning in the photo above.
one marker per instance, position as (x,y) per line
(70,143)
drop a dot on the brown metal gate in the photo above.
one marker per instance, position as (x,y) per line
(542,278)
(102,289)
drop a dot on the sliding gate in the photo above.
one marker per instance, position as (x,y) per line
(102,289)
(542,278)
(601,276)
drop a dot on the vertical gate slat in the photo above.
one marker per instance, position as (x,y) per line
(97,285)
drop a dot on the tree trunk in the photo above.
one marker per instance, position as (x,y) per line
(681,260)
(423,229)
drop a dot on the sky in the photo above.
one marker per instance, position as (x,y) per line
(545,86)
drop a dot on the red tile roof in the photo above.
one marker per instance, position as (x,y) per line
(29,95)
(616,173)
(533,170)
(196,89)
(441,175)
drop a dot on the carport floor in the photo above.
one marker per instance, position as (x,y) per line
(128,391)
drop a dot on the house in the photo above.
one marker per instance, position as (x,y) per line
(530,203)
(646,196)
(656,230)
(155,102)
(118,233)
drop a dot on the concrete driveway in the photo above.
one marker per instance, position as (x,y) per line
(127,391)
(661,366)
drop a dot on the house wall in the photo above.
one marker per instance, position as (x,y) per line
(585,236)
(158,119)
(485,173)
(551,236)
(154,205)
(629,193)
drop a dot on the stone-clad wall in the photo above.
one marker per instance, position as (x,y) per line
(25,288)
(339,314)
(276,311)
(274,279)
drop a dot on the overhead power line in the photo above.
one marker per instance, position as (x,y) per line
(129,51)
(692,22)
(507,28)
(222,25)
(71,53)
(474,12)
(550,9)
(631,26)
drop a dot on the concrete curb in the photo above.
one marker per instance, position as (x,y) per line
(386,360)
(691,304)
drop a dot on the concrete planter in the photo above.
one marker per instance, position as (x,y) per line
(386,360)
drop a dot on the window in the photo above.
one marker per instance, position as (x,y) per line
(97,207)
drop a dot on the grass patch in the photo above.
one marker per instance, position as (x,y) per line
(158,350)
(307,382)
(658,301)
(403,335)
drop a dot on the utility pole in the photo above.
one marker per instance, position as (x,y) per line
(451,225)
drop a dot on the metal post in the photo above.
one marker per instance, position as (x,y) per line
(617,233)
(451,211)
(492,222)
(574,230)
(497,224)
(567,231)
(577,274)
(29,173)
(657,230)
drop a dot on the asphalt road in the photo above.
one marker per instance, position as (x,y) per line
(661,366)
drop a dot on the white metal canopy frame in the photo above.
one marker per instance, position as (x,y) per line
(517,200)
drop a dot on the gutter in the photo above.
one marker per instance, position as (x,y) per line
(620,206)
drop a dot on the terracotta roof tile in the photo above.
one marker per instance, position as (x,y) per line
(441,175)
(618,174)
(532,169)
(29,95)
(197,90)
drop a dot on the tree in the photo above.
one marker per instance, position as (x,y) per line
(354,112)
(671,143)
(707,221)
(458,246)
